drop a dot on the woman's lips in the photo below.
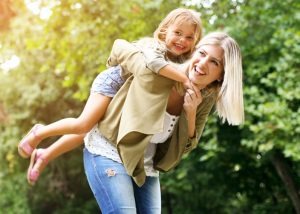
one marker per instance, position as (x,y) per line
(198,71)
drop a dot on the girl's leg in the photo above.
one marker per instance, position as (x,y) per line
(93,111)
(148,196)
(41,157)
(111,185)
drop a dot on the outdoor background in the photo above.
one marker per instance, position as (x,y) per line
(51,50)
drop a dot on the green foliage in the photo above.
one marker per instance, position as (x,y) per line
(272,71)
(230,171)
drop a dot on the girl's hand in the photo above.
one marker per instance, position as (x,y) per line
(187,84)
(192,99)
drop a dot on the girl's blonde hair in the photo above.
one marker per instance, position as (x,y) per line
(230,104)
(179,16)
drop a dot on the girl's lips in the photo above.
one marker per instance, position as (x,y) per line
(180,47)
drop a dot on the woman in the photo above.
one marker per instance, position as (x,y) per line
(123,171)
(216,70)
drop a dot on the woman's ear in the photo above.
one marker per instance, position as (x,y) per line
(220,79)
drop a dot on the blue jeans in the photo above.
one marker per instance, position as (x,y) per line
(116,192)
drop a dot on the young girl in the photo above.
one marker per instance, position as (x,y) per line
(174,40)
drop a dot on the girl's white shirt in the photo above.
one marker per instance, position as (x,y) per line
(97,144)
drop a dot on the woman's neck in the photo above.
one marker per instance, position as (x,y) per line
(175,102)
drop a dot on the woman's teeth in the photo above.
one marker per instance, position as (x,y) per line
(198,71)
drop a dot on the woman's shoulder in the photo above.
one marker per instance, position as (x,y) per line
(210,92)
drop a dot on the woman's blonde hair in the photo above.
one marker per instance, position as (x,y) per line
(179,16)
(230,104)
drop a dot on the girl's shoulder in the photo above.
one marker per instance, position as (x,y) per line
(149,42)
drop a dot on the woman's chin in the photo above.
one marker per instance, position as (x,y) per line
(194,80)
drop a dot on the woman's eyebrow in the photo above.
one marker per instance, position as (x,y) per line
(218,60)
(214,58)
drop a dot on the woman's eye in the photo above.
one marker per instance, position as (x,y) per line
(215,63)
(201,53)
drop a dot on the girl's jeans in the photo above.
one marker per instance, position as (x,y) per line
(116,192)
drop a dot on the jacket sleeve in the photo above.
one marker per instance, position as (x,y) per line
(149,53)
(202,114)
(126,55)
(154,53)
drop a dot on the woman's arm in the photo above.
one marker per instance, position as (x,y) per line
(186,134)
(192,99)
(195,124)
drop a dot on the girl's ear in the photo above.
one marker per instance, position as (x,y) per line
(163,37)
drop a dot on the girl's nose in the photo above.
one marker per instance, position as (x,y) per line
(182,39)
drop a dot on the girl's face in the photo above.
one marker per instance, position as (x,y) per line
(180,38)
(206,65)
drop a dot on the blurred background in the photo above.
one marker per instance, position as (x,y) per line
(50,51)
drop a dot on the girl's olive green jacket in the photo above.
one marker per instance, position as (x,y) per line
(137,112)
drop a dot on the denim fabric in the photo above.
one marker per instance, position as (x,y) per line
(108,82)
(116,192)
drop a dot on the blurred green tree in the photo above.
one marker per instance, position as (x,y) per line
(253,168)
(56,52)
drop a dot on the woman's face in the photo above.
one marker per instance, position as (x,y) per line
(206,65)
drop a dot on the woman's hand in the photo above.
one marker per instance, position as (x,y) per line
(192,99)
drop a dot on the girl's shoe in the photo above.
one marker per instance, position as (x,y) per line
(24,147)
(33,172)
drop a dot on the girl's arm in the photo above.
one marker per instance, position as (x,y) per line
(126,54)
(154,53)
(172,73)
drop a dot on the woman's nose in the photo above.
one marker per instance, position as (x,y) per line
(203,63)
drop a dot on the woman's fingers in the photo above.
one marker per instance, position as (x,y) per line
(189,93)
(193,96)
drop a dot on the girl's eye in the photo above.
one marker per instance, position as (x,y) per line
(177,33)
(190,38)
